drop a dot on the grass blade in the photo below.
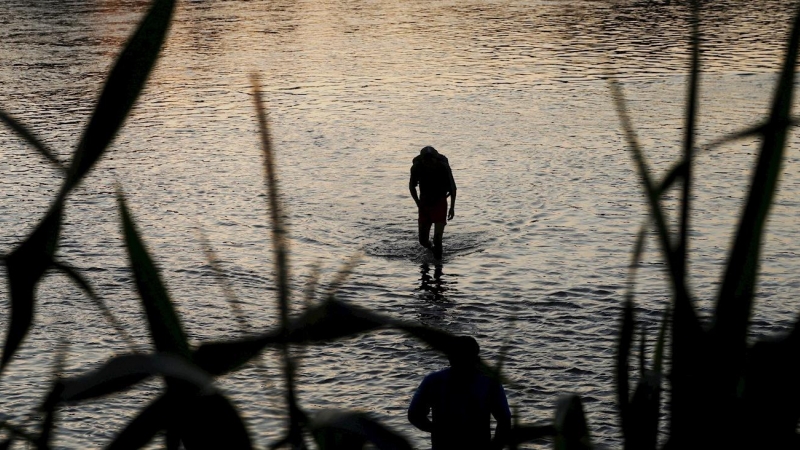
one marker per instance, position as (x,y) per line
(736,294)
(165,326)
(123,85)
(31,139)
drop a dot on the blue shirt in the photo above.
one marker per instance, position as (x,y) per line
(461,404)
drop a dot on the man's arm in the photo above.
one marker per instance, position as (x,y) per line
(420,407)
(452,212)
(502,414)
(412,186)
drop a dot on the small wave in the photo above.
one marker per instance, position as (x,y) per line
(395,242)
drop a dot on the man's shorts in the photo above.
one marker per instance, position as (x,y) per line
(433,213)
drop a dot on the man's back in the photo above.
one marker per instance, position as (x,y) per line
(461,403)
(433,176)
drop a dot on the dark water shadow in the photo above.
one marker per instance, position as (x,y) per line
(435,290)
(432,287)
(395,241)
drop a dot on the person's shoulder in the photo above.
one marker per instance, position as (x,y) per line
(437,376)
(489,380)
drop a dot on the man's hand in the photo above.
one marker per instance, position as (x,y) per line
(451,214)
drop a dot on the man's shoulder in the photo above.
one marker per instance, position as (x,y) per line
(440,158)
(437,376)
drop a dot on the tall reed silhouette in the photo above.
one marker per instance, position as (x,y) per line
(724,392)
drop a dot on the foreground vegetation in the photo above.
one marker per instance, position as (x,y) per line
(723,392)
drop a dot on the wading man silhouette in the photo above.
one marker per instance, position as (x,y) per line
(431,171)
(460,400)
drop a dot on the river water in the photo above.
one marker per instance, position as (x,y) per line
(513,92)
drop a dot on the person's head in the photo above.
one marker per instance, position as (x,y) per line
(464,353)
(428,153)
(428,156)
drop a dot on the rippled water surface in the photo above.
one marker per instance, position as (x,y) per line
(513,92)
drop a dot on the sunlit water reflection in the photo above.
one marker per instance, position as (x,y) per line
(513,92)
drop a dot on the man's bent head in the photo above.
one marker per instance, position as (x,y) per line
(428,151)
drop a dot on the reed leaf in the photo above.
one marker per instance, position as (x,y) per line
(572,431)
(25,266)
(771,394)
(330,320)
(31,139)
(642,337)
(439,340)
(16,432)
(673,174)
(122,372)
(28,262)
(622,372)
(343,274)
(281,263)
(346,430)
(310,290)
(46,433)
(144,427)
(211,422)
(734,302)
(658,358)
(652,195)
(688,145)
(165,326)
(122,87)
(521,434)
(222,280)
(642,432)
